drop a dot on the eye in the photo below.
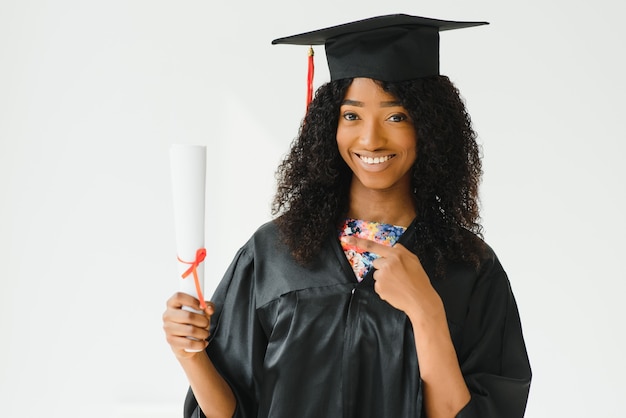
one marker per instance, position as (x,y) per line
(397,117)
(350,116)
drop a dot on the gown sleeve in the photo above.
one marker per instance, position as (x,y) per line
(237,340)
(493,357)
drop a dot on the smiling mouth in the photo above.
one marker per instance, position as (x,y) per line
(375,160)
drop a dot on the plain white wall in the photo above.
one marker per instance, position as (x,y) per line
(92,94)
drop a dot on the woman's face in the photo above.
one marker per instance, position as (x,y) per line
(375,137)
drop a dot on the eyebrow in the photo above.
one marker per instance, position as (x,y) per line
(361,104)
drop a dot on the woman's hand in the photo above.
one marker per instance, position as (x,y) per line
(186,332)
(401,280)
(403,283)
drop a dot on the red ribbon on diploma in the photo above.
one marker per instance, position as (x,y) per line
(200,255)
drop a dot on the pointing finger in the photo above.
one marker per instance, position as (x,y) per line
(368,245)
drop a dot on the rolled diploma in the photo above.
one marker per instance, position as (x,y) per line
(188,172)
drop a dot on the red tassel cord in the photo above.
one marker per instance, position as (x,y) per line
(309,79)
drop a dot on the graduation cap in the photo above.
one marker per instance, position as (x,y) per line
(388,48)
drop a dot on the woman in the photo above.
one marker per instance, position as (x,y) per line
(371,293)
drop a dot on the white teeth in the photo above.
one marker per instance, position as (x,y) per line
(375,160)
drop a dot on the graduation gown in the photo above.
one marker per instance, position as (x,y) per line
(296,341)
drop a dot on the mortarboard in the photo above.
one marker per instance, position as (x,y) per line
(388,48)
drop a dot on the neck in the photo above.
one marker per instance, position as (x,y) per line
(393,206)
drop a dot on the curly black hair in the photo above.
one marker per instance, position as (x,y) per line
(313,180)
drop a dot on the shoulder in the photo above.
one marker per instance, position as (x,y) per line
(257,246)
(266,265)
(246,274)
(488,261)
(491,282)
(472,289)
(264,241)
(490,267)
(466,278)
(267,252)
(267,230)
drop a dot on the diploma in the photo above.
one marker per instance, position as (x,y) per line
(188,172)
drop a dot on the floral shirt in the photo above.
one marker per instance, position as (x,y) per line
(385,234)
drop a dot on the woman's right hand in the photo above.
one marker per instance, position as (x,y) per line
(186,332)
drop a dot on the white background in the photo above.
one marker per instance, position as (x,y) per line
(92,94)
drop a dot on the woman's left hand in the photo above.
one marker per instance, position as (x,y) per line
(400,279)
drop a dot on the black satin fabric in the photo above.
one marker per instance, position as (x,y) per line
(302,342)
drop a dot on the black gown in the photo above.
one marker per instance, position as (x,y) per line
(298,342)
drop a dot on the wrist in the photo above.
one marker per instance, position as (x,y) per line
(427,315)
(186,357)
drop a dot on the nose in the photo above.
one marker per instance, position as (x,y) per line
(372,136)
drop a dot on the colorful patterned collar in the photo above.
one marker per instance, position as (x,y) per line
(385,234)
